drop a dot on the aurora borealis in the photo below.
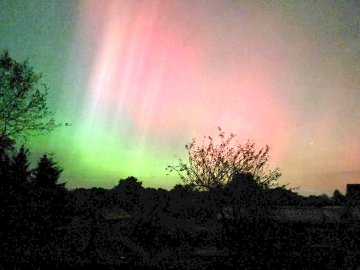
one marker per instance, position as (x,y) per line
(137,80)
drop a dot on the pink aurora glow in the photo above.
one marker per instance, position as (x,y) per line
(175,78)
(144,67)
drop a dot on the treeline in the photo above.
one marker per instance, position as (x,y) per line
(184,201)
(45,224)
(33,203)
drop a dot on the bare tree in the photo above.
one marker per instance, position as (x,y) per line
(212,165)
(23,108)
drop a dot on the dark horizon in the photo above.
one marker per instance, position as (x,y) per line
(242,225)
(169,134)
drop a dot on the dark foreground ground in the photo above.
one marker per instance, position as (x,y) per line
(246,243)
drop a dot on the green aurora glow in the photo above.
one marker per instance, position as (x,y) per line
(139,79)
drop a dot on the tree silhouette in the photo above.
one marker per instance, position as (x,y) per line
(50,201)
(129,184)
(128,192)
(47,173)
(14,175)
(20,169)
(244,191)
(14,202)
(338,198)
(212,165)
(23,108)
(5,162)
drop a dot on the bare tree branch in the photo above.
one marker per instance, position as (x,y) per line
(212,165)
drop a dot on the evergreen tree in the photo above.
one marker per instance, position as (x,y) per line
(14,203)
(48,197)
(47,173)
(50,206)
(20,172)
(4,169)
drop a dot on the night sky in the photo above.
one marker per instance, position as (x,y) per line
(139,79)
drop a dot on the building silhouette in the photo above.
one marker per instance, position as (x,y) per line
(353,190)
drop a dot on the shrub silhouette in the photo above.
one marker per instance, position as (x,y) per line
(212,165)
